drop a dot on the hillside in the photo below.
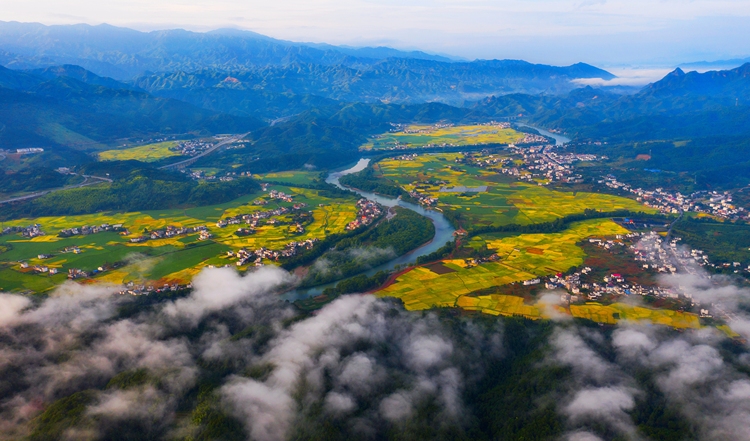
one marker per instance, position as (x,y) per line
(53,111)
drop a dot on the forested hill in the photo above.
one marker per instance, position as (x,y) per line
(330,136)
(391,80)
(70,107)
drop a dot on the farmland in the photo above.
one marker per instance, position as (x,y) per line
(504,200)
(521,257)
(172,259)
(145,153)
(415,136)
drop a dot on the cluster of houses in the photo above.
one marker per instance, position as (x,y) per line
(172,231)
(86,230)
(546,163)
(253,219)
(28,231)
(191,148)
(280,195)
(531,138)
(133,289)
(367,212)
(719,204)
(423,199)
(41,269)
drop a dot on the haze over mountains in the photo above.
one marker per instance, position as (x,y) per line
(83,87)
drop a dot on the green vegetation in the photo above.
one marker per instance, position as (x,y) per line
(175,259)
(143,189)
(723,242)
(144,153)
(504,202)
(367,181)
(32,179)
(390,238)
(462,135)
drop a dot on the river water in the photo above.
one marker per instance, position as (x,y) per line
(559,139)
(443,229)
(443,232)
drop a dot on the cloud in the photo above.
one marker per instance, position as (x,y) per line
(220,288)
(11,307)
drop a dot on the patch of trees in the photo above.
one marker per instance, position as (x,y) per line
(352,255)
(32,179)
(559,224)
(141,190)
(367,181)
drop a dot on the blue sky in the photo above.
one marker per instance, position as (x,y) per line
(604,32)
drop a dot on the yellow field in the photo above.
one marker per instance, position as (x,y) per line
(145,153)
(558,254)
(421,136)
(615,312)
(505,201)
(177,258)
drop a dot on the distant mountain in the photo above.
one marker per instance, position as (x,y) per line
(82,75)
(718,64)
(53,110)
(123,53)
(166,60)
(394,80)
(680,104)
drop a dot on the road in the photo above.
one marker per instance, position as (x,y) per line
(88,180)
(186,162)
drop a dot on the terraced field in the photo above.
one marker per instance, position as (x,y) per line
(174,259)
(422,136)
(522,257)
(145,153)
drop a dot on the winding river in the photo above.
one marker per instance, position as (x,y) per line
(443,229)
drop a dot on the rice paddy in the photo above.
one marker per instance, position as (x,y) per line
(424,136)
(144,153)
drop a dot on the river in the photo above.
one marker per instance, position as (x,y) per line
(559,139)
(443,232)
(443,229)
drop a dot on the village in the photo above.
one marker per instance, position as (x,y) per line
(714,203)
(85,230)
(367,212)
(29,232)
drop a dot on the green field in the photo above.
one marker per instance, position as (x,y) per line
(506,200)
(423,136)
(291,177)
(145,153)
(174,259)
(522,257)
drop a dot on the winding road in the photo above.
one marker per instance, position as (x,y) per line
(88,180)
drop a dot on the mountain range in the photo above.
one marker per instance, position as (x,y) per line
(167,62)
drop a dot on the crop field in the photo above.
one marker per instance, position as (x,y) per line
(423,136)
(174,259)
(145,153)
(505,201)
(620,311)
(291,177)
(522,257)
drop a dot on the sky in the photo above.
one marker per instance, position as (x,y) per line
(632,33)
